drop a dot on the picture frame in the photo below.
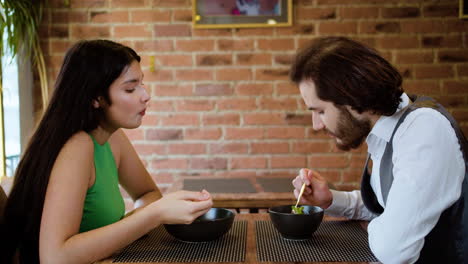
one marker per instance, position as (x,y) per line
(463,9)
(241,13)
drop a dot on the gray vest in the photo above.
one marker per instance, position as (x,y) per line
(448,240)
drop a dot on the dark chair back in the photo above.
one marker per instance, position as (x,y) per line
(3,200)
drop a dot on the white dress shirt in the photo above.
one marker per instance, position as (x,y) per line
(428,170)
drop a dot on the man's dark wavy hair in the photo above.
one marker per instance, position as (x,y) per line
(346,72)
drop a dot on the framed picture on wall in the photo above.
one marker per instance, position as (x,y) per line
(464,9)
(241,13)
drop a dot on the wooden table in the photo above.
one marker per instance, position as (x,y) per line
(258,199)
(251,249)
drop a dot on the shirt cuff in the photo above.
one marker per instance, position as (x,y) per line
(339,203)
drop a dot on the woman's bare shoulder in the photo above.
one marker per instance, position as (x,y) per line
(80,140)
(78,144)
(74,160)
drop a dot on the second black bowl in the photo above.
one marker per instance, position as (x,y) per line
(210,226)
(295,226)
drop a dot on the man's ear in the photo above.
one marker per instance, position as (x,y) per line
(353,112)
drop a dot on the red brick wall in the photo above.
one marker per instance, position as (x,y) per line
(221,101)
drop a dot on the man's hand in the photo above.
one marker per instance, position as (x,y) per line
(316,192)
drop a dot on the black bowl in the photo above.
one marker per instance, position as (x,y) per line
(210,226)
(294,226)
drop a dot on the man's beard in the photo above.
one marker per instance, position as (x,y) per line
(350,130)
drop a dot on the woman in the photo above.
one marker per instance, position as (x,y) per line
(65,205)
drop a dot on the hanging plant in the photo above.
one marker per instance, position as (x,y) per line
(20,20)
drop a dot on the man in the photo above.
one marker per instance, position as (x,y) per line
(416,195)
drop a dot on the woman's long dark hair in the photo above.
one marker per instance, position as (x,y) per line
(88,70)
(346,72)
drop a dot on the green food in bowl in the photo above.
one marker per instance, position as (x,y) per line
(297,209)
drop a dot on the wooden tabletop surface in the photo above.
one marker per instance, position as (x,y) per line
(251,249)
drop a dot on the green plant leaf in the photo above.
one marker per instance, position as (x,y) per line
(19,23)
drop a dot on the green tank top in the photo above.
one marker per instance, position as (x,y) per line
(104,204)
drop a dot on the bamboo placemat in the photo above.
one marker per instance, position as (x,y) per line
(333,241)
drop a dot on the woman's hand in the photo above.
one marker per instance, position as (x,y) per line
(316,191)
(182,207)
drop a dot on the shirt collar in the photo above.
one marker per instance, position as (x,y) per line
(385,125)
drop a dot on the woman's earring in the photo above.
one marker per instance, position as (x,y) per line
(95,103)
